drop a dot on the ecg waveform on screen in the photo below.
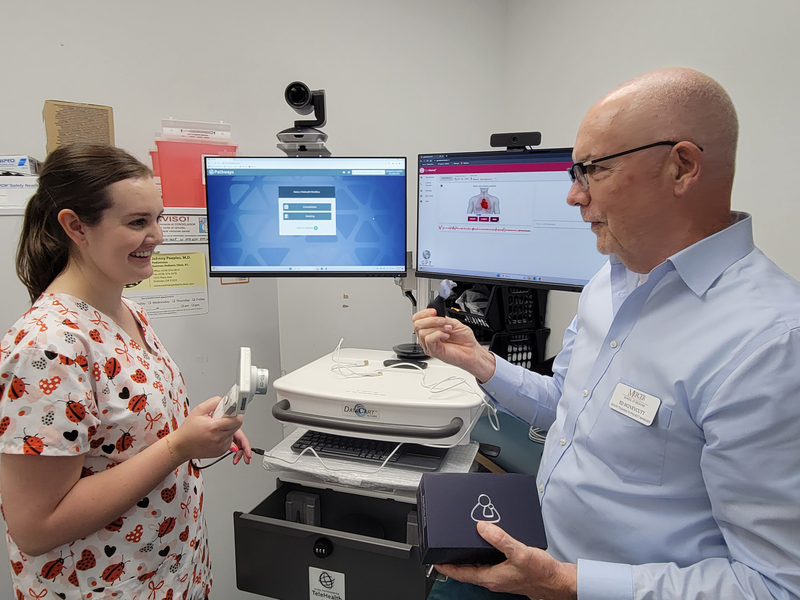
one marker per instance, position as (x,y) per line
(497,229)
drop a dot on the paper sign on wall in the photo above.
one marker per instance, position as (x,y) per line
(178,286)
(184,229)
(67,122)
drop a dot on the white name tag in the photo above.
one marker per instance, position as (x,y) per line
(632,403)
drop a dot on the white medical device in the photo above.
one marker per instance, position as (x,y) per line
(396,405)
(252,380)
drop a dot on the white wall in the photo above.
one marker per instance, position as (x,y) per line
(563,56)
(401,78)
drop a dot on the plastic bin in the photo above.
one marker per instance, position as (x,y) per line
(524,308)
(156,166)
(509,309)
(523,348)
(180,164)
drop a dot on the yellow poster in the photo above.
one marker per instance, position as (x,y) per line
(178,286)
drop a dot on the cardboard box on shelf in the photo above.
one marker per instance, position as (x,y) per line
(19,163)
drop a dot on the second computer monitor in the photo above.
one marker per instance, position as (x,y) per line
(502,217)
(280,216)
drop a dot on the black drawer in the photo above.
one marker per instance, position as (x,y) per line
(366,538)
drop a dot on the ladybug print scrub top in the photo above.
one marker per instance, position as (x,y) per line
(72,382)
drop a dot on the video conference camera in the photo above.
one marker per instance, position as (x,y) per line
(515,141)
(304,139)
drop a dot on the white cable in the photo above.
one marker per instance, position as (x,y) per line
(351,363)
(345,369)
(537,435)
(491,408)
(334,469)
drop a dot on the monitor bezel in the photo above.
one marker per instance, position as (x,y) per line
(565,287)
(364,274)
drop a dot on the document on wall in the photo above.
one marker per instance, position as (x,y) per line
(66,122)
(177,288)
(184,228)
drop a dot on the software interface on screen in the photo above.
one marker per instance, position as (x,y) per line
(503,216)
(306,216)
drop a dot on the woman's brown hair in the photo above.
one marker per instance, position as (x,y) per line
(75,177)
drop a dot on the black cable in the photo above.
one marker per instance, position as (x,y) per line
(408,294)
(227,454)
(200,468)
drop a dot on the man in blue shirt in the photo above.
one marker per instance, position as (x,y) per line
(672,462)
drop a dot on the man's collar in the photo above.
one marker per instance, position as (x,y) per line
(701,264)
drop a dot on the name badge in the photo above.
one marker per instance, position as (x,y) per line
(632,403)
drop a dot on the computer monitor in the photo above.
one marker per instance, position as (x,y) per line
(280,216)
(502,218)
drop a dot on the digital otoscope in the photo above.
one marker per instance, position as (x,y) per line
(252,381)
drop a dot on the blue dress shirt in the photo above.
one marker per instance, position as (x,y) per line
(704,502)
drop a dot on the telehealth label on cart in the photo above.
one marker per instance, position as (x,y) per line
(325,585)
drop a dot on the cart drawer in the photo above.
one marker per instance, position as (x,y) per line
(357,552)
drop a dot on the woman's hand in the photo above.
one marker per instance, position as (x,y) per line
(241,446)
(203,436)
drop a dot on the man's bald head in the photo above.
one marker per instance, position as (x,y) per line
(649,200)
(676,104)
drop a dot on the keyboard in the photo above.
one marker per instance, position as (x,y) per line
(411,456)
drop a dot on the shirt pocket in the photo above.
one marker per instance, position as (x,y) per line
(635,452)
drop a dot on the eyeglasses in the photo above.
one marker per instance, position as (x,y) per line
(578,172)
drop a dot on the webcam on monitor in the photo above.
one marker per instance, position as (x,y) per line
(515,141)
(304,139)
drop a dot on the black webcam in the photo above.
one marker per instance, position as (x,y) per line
(304,102)
(304,139)
(515,141)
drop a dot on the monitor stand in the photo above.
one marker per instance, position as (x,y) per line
(410,351)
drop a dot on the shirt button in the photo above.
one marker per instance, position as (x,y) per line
(613,343)
(541,488)
(585,393)
(563,441)
(621,294)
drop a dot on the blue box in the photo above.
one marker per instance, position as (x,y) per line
(451,504)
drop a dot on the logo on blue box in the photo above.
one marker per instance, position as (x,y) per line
(485,510)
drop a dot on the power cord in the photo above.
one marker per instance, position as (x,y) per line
(226,455)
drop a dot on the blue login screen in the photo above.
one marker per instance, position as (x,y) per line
(287,216)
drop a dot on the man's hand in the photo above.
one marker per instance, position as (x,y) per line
(454,343)
(527,571)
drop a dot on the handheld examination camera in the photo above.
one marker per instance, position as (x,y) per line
(251,381)
(304,139)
